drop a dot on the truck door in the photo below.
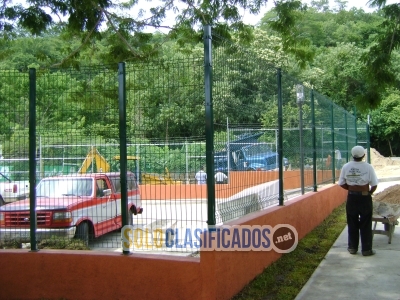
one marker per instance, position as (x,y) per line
(116,183)
(106,219)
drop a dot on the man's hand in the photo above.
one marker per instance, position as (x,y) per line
(373,189)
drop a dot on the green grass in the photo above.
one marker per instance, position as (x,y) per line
(285,278)
(53,242)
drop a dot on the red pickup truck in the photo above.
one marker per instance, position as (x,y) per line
(84,206)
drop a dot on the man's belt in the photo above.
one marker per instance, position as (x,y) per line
(359,193)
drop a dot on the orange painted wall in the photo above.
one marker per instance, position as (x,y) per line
(74,275)
(238,181)
(233,270)
(56,274)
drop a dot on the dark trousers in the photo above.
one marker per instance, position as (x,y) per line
(359,221)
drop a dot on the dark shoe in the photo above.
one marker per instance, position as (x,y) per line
(368,253)
(352,251)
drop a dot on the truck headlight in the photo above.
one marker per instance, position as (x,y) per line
(2,221)
(62,217)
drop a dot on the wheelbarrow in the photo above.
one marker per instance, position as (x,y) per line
(387,214)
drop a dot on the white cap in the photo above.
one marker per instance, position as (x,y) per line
(358,152)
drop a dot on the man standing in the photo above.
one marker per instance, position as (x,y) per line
(201,176)
(338,157)
(220,177)
(359,178)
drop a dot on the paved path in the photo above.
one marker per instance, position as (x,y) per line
(344,276)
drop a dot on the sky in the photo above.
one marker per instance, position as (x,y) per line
(253,20)
(248,18)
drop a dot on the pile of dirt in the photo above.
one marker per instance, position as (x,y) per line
(384,166)
(389,195)
(387,203)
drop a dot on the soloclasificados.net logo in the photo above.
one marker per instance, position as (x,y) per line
(282,238)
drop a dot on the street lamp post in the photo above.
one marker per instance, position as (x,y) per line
(300,101)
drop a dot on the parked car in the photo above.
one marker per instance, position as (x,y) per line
(12,190)
(247,154)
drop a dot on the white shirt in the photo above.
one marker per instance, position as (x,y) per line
(220,177)
(201,177)
(338,155)
(358,173)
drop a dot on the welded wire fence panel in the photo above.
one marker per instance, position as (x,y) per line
(297,143)
(14,141)
(352,136)
(165,112)
(324,138)
(81,142)
(77,140)
(244,97)
(362,134)
(14,135)
(335,133)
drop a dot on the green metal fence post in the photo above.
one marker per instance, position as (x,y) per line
(355,126)
(368,142)
(280,135)
(122,143)
(347,137)
(32,158)
(333,146)
(300,101)
(314,142)
(211,219)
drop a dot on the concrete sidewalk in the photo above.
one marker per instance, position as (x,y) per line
(344,276)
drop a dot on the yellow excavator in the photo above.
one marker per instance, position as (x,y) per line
(101,163)
(103,166)
(159,179)
(148,178)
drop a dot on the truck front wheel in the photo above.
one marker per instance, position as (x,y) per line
(83,233)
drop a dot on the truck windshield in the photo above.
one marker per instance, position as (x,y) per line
(60,187)
(255,149)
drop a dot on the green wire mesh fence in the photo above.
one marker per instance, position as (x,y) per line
(78,136)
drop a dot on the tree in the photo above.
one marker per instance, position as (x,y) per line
(385,124)
(321,5)
(343,78)
(377,61)
(165,97)
(97,19)
(288,16)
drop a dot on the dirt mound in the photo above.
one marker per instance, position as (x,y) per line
(389,195)
(384,166)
